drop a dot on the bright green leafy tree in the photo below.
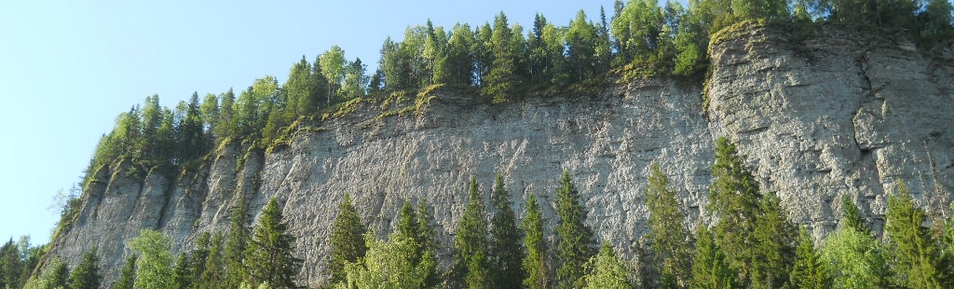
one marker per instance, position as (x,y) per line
(155,262)
(606,271)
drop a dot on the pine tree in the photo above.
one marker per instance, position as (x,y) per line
(127,275)
(535,262)
(668,234)
(236,242)
(155,262)
(470,244)
(269,256)
(181,273)
(574,238)
(809,271)
(507,254)
(710,269)
(606,271)
(86,275)
(346,239)
(915,252)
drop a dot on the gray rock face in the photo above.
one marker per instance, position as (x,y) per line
(820,118)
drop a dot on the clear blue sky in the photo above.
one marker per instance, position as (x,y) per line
(68,68)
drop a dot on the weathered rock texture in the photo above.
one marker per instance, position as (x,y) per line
(817,118)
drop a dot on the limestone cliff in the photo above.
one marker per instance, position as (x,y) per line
(816,117)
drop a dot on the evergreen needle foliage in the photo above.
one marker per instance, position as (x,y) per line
(668,234)
(505,237)
(471,264)
(536,263)
(574,238)
(346,239)
(269,257)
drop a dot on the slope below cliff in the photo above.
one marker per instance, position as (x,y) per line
(816,118)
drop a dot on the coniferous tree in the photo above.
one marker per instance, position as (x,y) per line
(535,263)
(734,197)
(710,269)
(809,271)
(10,264)
(86,275)
(57,277)
(236,242)
(269,255)
(581,39)
(346,239)
(915,252)
(774,252)
(199,257)
(606,271)
(850,215)
(154,266)
(127,275)
(471,266)
(213,272)
(507,254)
(668,234)
(501,79)
(182,273)
(574,238)
(428,245)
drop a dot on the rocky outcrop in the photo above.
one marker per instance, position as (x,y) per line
(817,118)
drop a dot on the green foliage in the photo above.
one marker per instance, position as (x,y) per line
(809,271)
(390,264)
(471,266)
(127,275)
(86,274)
(236,242)
(333,64)
(213,270)
(668,234)
(710,268)
(154,266)
(10,265)
(535,263)
(851,217)
(606,271)
(501,79)
(914,251)
(774,252)
(734,197)
(574,238)
(505,251)
(346,239)
(855,260)
(269,257)
(56,276)
(182,273)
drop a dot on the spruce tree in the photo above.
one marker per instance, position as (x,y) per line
(915,252)
(574,238)
(606,271)
(182,273)
(269,257)
(809,271)
(236,242)
(427,245)
(199,256)
(535,263)
(86,275)
(850,215)
(57,277)
(501,79)
(471,267)
(734,197)
(507,254)
(127,275)
(10,264)
(668,234)
(346,239)
(710,269)
(213,274)
(774,251)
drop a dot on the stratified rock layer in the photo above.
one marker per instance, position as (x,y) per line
(816,118)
